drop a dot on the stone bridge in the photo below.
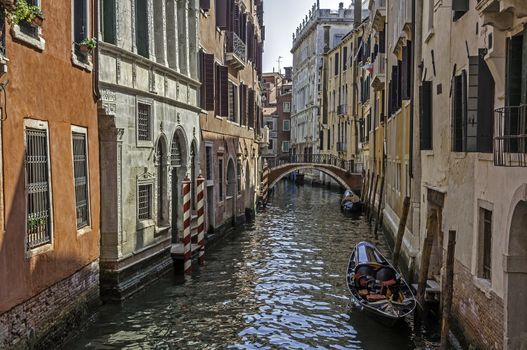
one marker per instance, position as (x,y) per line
(346,173)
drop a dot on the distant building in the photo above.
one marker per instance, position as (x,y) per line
(277,116)
(49,196)
(230,52)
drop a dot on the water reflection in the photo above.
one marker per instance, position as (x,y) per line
(280,284)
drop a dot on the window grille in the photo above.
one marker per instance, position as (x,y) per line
(144,126)
(145,202)
(80,169)
(38,206)
(487,243)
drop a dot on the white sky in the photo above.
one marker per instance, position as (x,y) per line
(281,17)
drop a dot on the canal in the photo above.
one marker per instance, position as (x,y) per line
(278,284)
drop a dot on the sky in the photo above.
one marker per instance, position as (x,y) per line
(281,17)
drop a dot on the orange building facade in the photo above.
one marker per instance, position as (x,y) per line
(49,238)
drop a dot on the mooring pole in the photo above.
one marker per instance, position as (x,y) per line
(400,233)
(363,188)
(201,219)
(265,182)
(187,239)
(372,210)
(449,289)
(379,211)
(368,201)
(425,259)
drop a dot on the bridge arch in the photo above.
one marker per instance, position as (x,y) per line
(344,178)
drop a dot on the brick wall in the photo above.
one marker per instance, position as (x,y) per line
(47,318)
(479,316)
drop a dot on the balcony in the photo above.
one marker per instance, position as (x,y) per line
(235,51)
(378,13)
(501,13)
(510,136)
(342,109)
(379,71)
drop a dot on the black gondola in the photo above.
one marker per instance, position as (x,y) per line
(350,202)
(377,287)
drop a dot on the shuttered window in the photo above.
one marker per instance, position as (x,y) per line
(406,74)
(486,93)
(141,28)
(220,179)
(485,243)
(459,8)
(38,199)
(426,127)
(222,11)
(144,122)
(80,172)
(108,21)
(459,112)
(250,107)
(207,81)
(222,91)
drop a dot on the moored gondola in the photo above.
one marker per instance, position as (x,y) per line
(350,202)
(377,287)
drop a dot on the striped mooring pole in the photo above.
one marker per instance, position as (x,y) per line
(187,238)
(265,182)
(201,219)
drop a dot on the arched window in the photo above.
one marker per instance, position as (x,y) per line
(161,160)
(231,179)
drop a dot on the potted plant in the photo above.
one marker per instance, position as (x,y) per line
(25,12)
(87,45)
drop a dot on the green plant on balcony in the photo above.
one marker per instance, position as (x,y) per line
(37,225)
(87,45)
(25,12)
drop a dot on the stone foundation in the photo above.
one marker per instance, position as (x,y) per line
(44,321)
(478,315)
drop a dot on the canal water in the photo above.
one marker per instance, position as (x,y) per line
(278,284)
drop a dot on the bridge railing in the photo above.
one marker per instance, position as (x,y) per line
(319,159)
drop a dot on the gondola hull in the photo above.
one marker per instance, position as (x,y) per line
(384,308)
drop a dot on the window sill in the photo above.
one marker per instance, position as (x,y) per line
(39,250)
(459,155)
(87,66)
(144,224)
(37,42)
(84,230)
(486,157)
(144,144)
(483,285)
(427,153)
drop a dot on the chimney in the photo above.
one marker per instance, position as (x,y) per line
(357,13)
(341,9)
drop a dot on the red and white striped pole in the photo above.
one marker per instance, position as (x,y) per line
(187,239)
(265,182)
(201,219)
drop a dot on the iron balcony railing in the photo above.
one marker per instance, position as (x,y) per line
(510,136)
(322,159)
(236,46)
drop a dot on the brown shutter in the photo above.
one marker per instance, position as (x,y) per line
(222,18)
(204,4)
(236,19)
(224,91)
(251,109)
(207,81)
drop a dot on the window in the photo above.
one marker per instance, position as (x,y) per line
(108,21)
(144,122)
(80,173)
(485,243)
(459,112)
(239,176)
(207,81)
(286,107)
(337,63)
(141,28)
(269,124)
(204,5)
(144,202)
(80,25)
(426,128)
(220,179)
(231,179)
(271,145)
(233,102)
(162,200)
(285,146)
(286,125)
(208,156)
(28,28)
(459,8)
(398,177)
(345,58)
(38,195)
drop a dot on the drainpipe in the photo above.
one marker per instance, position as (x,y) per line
(95,74)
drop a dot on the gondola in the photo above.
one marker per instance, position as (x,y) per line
(350,202)
(376,286)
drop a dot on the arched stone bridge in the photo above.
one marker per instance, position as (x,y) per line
(346,173)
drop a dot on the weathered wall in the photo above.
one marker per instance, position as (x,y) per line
(45,85)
